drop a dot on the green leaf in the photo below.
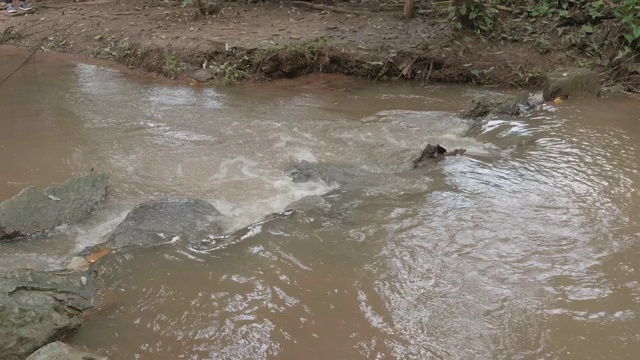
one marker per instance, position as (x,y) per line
(636,32)
(629,37)
(463,9)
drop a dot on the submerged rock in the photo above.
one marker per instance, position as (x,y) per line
(432,154)
(167,220)
(38,307)
(572,82)
(33,211)
(306,171)
(307,203)
(61,351)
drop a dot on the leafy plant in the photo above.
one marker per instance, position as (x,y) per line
(474,14)
(171,66)
(628,12)
(231,73)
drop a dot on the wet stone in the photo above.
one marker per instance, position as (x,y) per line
(32,211)
(38,307)
(61,351)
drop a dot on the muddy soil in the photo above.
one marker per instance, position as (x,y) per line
(274,40)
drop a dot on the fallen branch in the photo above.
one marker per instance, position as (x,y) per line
(330,8)
(402,72)
(20,66)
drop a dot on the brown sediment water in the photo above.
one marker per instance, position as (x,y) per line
(530,252)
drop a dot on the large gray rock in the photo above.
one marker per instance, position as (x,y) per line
(33,211)
(572,82)
(38,307)
(166,220)
(495,104)
(61,351)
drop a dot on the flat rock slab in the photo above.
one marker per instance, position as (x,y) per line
(33,211)
(38,307)
(61,351)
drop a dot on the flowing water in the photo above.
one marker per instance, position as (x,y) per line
(528,252)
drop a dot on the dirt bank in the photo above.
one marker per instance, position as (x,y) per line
(275,40)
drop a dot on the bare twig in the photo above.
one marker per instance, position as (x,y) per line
(21,65)
(429,74)
(330,8)
(411,63)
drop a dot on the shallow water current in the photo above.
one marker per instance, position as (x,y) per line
(528,252)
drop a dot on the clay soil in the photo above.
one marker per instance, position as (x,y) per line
(271,40)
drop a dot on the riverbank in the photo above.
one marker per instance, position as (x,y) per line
(264,41)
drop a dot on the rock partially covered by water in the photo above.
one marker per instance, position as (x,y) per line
(61,351)
(33,211)
(306,171)
(572,82)
(434,153)
(166,220)
(38,307)
(493,105)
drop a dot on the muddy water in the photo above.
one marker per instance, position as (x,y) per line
(525,253)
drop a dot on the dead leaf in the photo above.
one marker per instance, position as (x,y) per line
(93,257)
(53,197)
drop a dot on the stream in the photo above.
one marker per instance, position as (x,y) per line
(528,252)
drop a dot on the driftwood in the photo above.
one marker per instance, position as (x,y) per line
(432,154)
(330,8)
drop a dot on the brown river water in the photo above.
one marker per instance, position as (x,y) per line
(525,253)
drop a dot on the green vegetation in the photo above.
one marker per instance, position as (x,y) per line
(171,66)
(231,73)
(310,47)
(604,33)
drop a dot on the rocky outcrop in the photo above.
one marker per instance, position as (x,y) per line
(38,307)
(33,211)
(165,220)
(572,82)
(61,351)
(432,154)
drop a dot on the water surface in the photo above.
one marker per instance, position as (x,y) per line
(507,253)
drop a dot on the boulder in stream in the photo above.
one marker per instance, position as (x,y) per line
(504,105)
(38,307)
(32,211)
(61,351)
(165,220)
(493,105)
(572,82)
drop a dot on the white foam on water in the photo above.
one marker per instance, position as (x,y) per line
(94,232)
(279,195)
